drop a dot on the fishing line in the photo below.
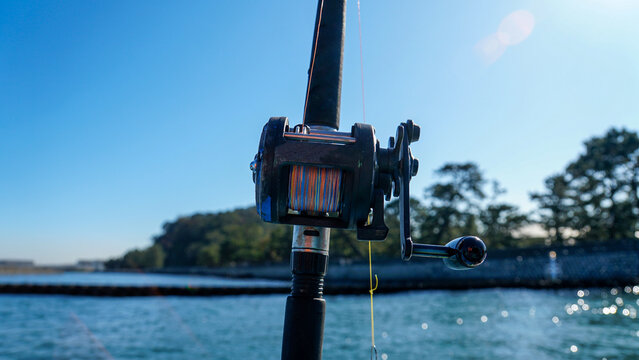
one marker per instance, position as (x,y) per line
(370,261)
(310,74)
(96,342)
(361,59)
(370,280)
(314,189)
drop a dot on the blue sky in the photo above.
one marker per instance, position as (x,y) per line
(117,116)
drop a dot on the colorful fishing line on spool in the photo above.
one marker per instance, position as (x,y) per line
(314,189)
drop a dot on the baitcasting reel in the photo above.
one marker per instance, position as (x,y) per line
(314,176)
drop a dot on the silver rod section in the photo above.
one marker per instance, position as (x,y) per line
(311,239)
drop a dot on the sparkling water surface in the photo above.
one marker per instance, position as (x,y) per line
(472,324)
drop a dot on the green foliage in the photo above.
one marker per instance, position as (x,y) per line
(452,206)
(460,206)
(225,238)
(556,207)
(601,179)
(596,197)
(149,258)
(500,221)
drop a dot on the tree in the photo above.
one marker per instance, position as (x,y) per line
(452,206)
(604,180)
(556,207)
(499,223)
(149,258)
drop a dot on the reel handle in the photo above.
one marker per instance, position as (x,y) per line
(463,253)
(407,133)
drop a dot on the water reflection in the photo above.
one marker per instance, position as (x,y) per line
(541,324)
(440,324)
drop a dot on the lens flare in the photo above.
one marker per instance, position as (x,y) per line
(512,30)
(515,27)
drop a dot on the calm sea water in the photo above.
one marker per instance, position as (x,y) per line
(474,324)
(133,279)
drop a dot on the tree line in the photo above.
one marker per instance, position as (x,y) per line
(595,198)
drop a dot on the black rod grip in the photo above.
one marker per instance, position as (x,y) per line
(305,308)
(303,328)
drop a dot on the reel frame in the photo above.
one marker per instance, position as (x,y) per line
(370,174)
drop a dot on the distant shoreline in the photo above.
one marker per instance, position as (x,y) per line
(18,270)
(588,265)
(596,264)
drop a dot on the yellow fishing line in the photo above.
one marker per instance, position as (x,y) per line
(370,278)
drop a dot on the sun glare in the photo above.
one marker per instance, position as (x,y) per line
(512,30)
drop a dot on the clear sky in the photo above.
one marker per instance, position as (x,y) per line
(116,116)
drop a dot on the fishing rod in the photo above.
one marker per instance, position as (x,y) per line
(316,178)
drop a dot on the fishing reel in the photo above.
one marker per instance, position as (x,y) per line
(315,176)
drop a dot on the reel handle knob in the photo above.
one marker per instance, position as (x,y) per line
(463,253)
(470,253)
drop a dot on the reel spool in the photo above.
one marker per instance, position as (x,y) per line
(314,176)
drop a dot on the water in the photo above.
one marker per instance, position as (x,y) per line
(473,324)
(133,279)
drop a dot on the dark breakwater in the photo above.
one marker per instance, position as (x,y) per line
(609,263)
(590,265)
